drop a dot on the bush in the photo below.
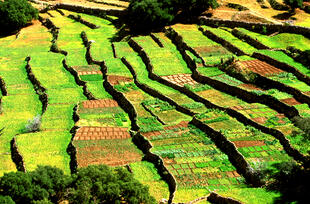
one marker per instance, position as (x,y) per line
(15,14)
(145,15)
(93,184)
(34,124)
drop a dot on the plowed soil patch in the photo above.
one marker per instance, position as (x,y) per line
(290,101)
(101,133)
(261,120)
(250,87)
(211,49)
(248,143)
(89,72)
(261,67)
(114,79)
(104,103)
(86,68)
(180,79)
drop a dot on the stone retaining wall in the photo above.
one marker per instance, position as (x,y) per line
(83,21)
(251,41)
(281,65)
(16,156)
(257,27)
(3,89)
(39,89)
(217,199)
(71,149)
(78,81)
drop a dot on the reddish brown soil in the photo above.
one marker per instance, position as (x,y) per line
(114,79)
(103,103)
(250,87)
(290,101)
(248,143)
(101,133)
(210,49)
(261,67)
(180,79)
(261,120)
(86,68)
(91,156)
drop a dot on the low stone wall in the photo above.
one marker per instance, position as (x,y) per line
(217,199)
(251,41)
(78,81)
(17,157)
(3,89)
(241,118)
(83,21)
(157,40)
(39,89)
(71,149)
(281,65)
(300,56)
(223,42)
(243,168)
(100,12)
(257,27)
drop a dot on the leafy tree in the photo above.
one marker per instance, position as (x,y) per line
(15,14)
(93,184)
(293,4)
(101,184)
(144,15)
(6,200)
(291,180)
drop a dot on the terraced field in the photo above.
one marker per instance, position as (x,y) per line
(189,110)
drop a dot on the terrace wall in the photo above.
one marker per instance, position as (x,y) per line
(251,41)
(223,42)
(78,81)
(137,138)
(257,27)
(71,149)
(286,67)
(216,198)
(81,20)
(177,40)
(3,89)
(40,90)
(16,156)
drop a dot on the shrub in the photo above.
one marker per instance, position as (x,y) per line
(144,15)
(15,14)
(34,124)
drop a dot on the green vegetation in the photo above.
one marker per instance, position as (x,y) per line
(91,184)
(148,14)
(15,14)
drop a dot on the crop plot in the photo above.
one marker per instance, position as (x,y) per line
(100,115)
(262,68)
(180,79)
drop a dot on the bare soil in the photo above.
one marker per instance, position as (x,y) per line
(261,67)
(101,133)
(102,103)
(180,79)
(248,143)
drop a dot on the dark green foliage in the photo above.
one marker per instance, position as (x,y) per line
(101,184)
(293,4)
(304,125)
(6,200)
(144,15)
(15,14)
(291,180)
(93,184)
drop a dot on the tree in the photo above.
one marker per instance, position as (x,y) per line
(144,15)
(6,200)
(293,4)
(15,14)
(101,184)
(93,184)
